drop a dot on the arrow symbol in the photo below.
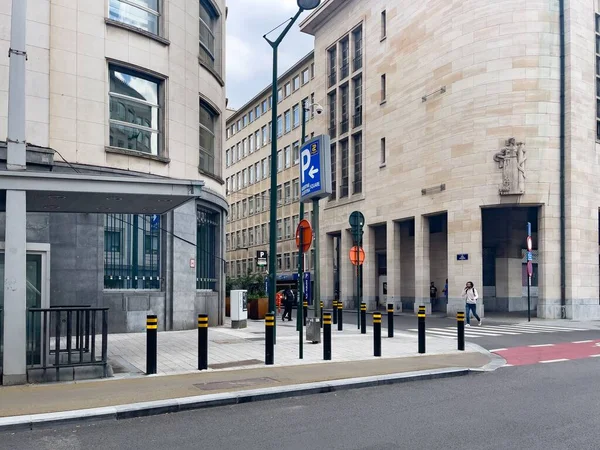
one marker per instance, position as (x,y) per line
(313,171)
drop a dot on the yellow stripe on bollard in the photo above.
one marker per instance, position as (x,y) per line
(377,318)
(151,327)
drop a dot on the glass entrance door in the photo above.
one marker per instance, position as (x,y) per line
(34,271)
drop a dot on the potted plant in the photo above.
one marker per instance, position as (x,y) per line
(258,302)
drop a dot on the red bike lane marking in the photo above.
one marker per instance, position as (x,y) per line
(521,356)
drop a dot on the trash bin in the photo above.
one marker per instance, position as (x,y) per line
(313,330)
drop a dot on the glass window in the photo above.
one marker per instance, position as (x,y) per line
(287,192)
(207,260)
(296,151)
(257,111)
(344,57)
(245,176)
(251,238)
(296,83)
(279,195)
(257,203)
(333,172)
(265,137)
(244,147)
(305,76)
(357,118)
(344,161)
(357,38)
(251,143)
(288,89)
(208,25)
(132,251)
(296,111)
(383,156)
(288,227)
(296,188)
(251,116)
(332,57)
(245,121)
(279,95)
(264,107)
(257,171)
(288,121)
(257,139)
(141,14)
(251,170)
(383,24)
(279,261)
(279,230)
(288,263)
(265,168)
(357,138)
(279,126)
(344,109)
(264,200)
(227,157)
(383,89)
(244,208)
(251,206)
(208,121)
(288,156)
(279,161)
(134,111)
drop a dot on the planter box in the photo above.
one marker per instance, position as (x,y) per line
(227,306)
(257,309)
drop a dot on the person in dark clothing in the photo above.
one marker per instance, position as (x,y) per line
(288,302)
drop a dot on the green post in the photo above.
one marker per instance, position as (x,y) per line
(273,207)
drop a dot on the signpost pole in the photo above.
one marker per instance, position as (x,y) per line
(300,217)
(317,295)
(299,309)
(529,270)
(357,284)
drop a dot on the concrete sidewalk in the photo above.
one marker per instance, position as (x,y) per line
(57,397)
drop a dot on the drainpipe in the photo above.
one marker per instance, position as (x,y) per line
(563,238)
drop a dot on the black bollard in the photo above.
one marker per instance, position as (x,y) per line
(304,311)
(334,312)
(321,314)
(202,341)
(363,318)
(460,327)
(151,332)
(269,339)
(421,319)
(390,310)
(327,337)
(340,316)
(377,334)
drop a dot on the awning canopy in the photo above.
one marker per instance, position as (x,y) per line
(82,193)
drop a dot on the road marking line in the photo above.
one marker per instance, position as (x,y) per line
(553,361)
(541,345)
(507,365)
(583,342)
(498,350)
(594,356)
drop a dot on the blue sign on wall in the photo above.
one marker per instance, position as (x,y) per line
(462,257)
(315,168)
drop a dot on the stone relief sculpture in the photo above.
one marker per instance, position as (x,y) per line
(511,159)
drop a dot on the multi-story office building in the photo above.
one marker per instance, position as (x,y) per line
(247,174)
(120,200)
(453,125)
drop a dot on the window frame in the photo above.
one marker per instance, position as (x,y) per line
(211,10)
(157,13)
(216,117)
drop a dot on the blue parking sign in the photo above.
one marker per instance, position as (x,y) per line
(315,169)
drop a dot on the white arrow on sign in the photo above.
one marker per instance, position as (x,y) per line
(313,171)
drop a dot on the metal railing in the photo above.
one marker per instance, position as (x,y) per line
(65,337)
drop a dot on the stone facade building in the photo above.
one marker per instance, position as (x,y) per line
(453,125)
(247,175)
(125,122)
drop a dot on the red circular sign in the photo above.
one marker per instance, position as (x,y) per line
(529,243)
(357,256)
(307,235)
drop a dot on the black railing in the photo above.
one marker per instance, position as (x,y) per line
(344,126)
(345,70)
(332,131)
(332,78)
(357,62)
(357,118)
(65,337)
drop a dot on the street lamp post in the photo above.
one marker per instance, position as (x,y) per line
(303,5)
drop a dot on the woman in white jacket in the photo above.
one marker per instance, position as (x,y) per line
(471,296)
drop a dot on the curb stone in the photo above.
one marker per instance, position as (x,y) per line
(144,409)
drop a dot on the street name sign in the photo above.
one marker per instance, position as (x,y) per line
(315,169)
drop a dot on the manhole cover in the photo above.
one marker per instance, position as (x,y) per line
(213,386)
(245,362)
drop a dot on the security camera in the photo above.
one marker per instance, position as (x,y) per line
(319,109)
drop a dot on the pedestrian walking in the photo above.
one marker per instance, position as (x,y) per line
(288,302)
(432,294)
(445,291)
(471,296)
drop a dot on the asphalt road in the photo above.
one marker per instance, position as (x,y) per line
(544,406)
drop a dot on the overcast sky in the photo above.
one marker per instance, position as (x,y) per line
(249,56)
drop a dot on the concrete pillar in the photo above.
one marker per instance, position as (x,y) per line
(328,268)
(393,265)
(464,237)
(15,292)
(347,281)
(548,265)
(422,264)
(370,277)
(407,264)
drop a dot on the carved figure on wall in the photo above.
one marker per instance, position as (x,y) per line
(511,159)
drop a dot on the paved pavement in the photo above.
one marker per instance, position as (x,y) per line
(529,407)
(244,348)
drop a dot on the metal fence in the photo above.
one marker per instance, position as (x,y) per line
(67,337)
(131,251)
(206,249)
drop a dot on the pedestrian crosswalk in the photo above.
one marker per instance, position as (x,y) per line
(497,330)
